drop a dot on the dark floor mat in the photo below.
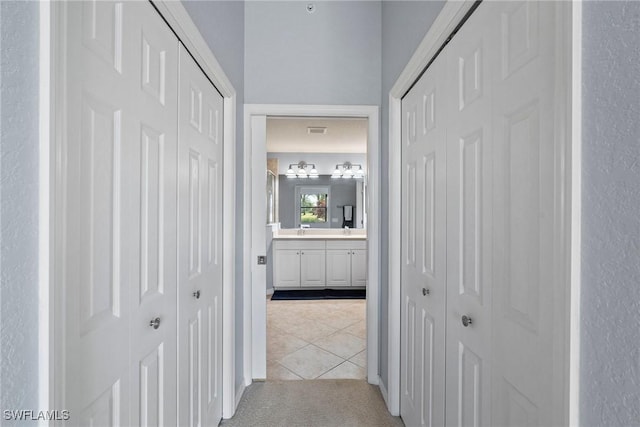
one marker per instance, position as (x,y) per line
(310,294)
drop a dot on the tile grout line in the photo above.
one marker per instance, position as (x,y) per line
(285,316)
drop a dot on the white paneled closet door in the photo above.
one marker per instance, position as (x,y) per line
(528,201)
(118,179)
(504,208)
(200,242)
(471,56)
(424,250)
(154,350)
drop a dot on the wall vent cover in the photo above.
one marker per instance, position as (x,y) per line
(317,130)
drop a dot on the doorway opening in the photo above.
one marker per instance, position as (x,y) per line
(316,247)
(308,208)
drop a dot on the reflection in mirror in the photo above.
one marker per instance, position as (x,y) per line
(324,203)
(272,188)
(310,207)
(313,207)
(309,150)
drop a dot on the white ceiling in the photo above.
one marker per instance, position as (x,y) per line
(291,135)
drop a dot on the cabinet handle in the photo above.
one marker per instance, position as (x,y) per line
(425,291)
(196,294)
(302,253)
(297,253)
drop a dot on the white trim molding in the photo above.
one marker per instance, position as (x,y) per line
(573,72)
(567,131)
(46,320)
(254,287)
(53,54)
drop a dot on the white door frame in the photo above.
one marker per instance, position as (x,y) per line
(568,101)
(254,228)
(52,125)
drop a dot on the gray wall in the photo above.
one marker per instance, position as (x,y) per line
(19,206)
(331,56)
(404,25)
(342,192)
(221,23)
(610,336)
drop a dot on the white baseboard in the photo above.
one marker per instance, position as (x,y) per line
(385,393)
(239,394)
(270,291)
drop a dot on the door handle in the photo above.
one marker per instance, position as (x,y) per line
(466,320)
(426,291)
(155,323)
(196,294)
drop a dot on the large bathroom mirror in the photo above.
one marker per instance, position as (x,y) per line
(316,172)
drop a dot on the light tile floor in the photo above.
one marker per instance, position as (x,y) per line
(316,339)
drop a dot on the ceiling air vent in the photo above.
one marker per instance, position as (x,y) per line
(317,130)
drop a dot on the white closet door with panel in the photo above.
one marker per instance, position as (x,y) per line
(505,197)
(424,250)
(153,348)
(200,242)
(470,59)
(527,201)
(99,217)
(118,175)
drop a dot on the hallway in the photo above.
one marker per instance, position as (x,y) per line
(309,403)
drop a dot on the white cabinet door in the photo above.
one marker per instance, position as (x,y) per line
(338,267)
(358,267)
(312,267)
(286,268)
(200,257)
(423,250)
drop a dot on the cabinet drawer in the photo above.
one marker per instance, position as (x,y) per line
(298,244)
(346,244)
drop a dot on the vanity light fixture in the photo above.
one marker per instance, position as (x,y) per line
(299,170)
(346,171)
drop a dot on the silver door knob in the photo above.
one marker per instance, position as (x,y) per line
(426,291)
(155,323)
(466,320)
(196,294)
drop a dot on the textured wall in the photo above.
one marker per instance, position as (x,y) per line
(19,205)
(331,56)
(610,339)
(404,25)
(221,23)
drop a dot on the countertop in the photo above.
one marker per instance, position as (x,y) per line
(319,237)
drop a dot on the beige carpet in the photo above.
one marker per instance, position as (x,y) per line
(311,403)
